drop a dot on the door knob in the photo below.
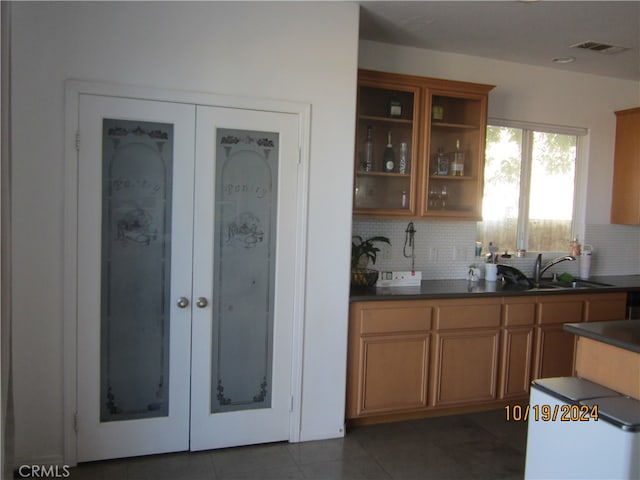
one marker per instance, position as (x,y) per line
(183,302)
(201,302)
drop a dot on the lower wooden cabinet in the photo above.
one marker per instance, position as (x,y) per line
(465,358)
(388,357)
(465,368)
(410,358)
(555,348)
(518,317)
(393,372)
(605,307)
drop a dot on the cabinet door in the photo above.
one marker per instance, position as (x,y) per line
(456,133)
(554,347)
(606,306)
(387,366)
(135,214)
(387,117)
(394,373)
(625,202)
(465,365)
(517,354)
(554,352)
(517,347)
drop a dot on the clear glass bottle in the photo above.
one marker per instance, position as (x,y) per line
(457,163)
(442,162)
(403,162)
(389,162)
(367,157)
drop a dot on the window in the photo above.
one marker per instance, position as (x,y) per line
(529,187)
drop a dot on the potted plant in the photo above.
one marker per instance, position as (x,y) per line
(363,251)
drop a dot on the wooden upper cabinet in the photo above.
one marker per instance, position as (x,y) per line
(455,130)
(625,201)
(388,109)
(425,115)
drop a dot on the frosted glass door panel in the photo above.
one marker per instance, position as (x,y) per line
(244,270)
(135,269)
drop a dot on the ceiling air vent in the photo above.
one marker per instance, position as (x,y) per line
(600,47)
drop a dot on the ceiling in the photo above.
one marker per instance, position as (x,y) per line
(528,32)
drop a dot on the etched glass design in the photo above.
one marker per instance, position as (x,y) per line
(244,269)
(135,269)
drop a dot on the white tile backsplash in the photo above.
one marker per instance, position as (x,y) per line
(444,250)
(616,249)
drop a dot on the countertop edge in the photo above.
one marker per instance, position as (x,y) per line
(442,289)
(590,330)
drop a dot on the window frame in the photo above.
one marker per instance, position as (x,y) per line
(580,178)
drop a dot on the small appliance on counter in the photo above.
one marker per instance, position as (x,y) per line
(399,279)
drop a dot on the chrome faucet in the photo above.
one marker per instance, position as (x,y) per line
(538,269)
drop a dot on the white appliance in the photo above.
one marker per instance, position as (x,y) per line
(564,441)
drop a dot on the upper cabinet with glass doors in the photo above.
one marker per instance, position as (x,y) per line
(387,145)
(455,133)
(446,122)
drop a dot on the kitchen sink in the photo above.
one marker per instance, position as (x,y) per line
(514,279)
(576,284)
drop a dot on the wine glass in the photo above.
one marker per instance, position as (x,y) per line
(433,194)
(444,194)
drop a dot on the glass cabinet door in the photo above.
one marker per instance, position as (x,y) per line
(454,168)
(386,149)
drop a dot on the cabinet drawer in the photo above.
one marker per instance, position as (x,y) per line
(606,306)
(562,311)
(517,314)
(468,316)
(395,319)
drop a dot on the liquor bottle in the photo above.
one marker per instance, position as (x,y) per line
(437,111)
(442,162)
(389,160)
(395,107)
(457,165)
(367,160)
(403,162)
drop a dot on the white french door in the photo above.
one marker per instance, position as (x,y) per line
(187,223)
(246,201)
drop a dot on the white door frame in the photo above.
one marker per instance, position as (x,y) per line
(73,90)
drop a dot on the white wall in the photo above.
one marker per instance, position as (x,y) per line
(304,52)
(6,393)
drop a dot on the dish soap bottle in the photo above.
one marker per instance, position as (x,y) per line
(389,160)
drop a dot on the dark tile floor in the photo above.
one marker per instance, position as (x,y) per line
(473,446)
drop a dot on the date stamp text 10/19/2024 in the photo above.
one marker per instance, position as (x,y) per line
(551,413)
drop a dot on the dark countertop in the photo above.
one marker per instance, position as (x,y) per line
(619,333)
(432,289)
